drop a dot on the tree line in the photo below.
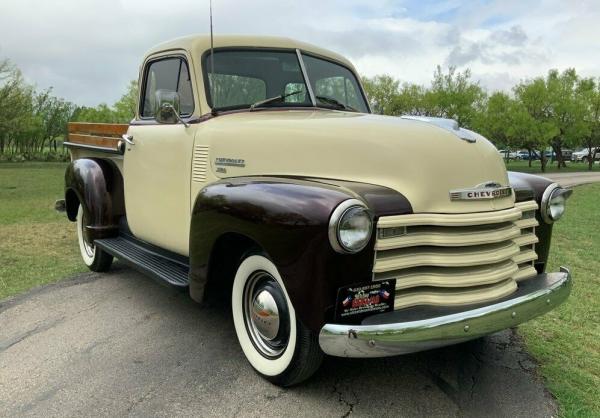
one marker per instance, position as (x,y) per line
(558,111)
(33,123)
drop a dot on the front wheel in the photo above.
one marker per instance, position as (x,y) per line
(93,257)
(277,345)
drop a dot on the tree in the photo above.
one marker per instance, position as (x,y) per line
(453,95)
(381,91)
(54,114)
(492,121)
(15,108)
(567,109)
(411,101)
(589,92)
(122,111)
(126,106)
(534,97)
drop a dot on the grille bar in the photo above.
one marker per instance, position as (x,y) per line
(451,297)
(457,277)
(450,236)
(463,219)
(448,257)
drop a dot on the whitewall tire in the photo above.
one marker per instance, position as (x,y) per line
(273,340)
(94,258)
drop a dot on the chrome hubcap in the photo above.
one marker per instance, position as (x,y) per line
(266,314)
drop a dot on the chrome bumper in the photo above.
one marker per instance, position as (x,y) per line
(391,339)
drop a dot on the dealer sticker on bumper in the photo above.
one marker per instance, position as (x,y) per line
(358,301)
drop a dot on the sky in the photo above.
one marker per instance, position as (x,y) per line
(88,50)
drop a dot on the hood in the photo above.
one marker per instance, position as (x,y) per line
(422,161)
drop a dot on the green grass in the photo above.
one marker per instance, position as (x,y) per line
(37,244)
(536,167)
(566,341)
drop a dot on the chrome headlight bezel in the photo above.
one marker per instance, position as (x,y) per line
(553,194)
(335,221)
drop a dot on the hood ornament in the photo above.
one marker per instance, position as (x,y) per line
(484,191)
(447,124)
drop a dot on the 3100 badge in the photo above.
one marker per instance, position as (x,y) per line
(355,302)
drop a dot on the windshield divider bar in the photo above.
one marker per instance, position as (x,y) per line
(306,80)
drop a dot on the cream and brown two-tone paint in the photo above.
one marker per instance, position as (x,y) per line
(270,179)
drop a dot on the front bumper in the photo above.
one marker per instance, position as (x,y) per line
(382,338)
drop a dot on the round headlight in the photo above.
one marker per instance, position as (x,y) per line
(553,203)
(556,207)
(350,226)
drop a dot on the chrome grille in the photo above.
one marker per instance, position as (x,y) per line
(456,259)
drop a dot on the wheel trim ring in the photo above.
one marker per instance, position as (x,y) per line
(88,247)
(269,348)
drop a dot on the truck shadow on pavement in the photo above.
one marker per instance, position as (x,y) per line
(123,345)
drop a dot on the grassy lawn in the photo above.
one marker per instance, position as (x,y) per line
(566,341)
(520,165)
(37,244)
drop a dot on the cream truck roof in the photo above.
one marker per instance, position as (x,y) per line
(197,44)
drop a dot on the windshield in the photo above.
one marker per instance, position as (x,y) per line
(264,78)
(333,81)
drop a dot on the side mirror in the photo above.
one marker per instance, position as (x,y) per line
(166,107)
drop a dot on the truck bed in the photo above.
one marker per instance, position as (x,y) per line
(102,137)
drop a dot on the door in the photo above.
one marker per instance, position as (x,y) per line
(157,164)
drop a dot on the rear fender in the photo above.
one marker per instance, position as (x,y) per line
(96,185)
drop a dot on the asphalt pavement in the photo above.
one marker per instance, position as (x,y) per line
(574,179)
(119,344)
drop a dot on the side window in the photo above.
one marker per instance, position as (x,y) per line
(184,88)
(169,74)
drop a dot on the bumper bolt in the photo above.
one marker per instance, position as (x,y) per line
(514,314)
(466,328)
(548,301)
(372,343)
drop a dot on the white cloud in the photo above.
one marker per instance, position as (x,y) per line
(89,49)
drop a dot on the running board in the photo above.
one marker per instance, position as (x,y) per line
(155,265)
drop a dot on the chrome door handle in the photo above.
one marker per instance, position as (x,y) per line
(128,139)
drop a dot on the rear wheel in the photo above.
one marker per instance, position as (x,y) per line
(277,345)
(93,257)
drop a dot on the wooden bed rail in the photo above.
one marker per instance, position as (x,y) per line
(96,136)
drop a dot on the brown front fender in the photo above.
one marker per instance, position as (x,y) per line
(287,219)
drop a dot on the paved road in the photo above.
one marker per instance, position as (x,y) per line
(574,179)
(119,344)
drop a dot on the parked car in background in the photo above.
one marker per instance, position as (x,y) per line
(567,153)
(551,155)
(583,155)
(510,155)
(524,155)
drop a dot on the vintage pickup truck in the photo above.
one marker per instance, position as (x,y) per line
(258,168)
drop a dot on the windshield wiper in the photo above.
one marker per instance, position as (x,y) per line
(332,101)
(274,99)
